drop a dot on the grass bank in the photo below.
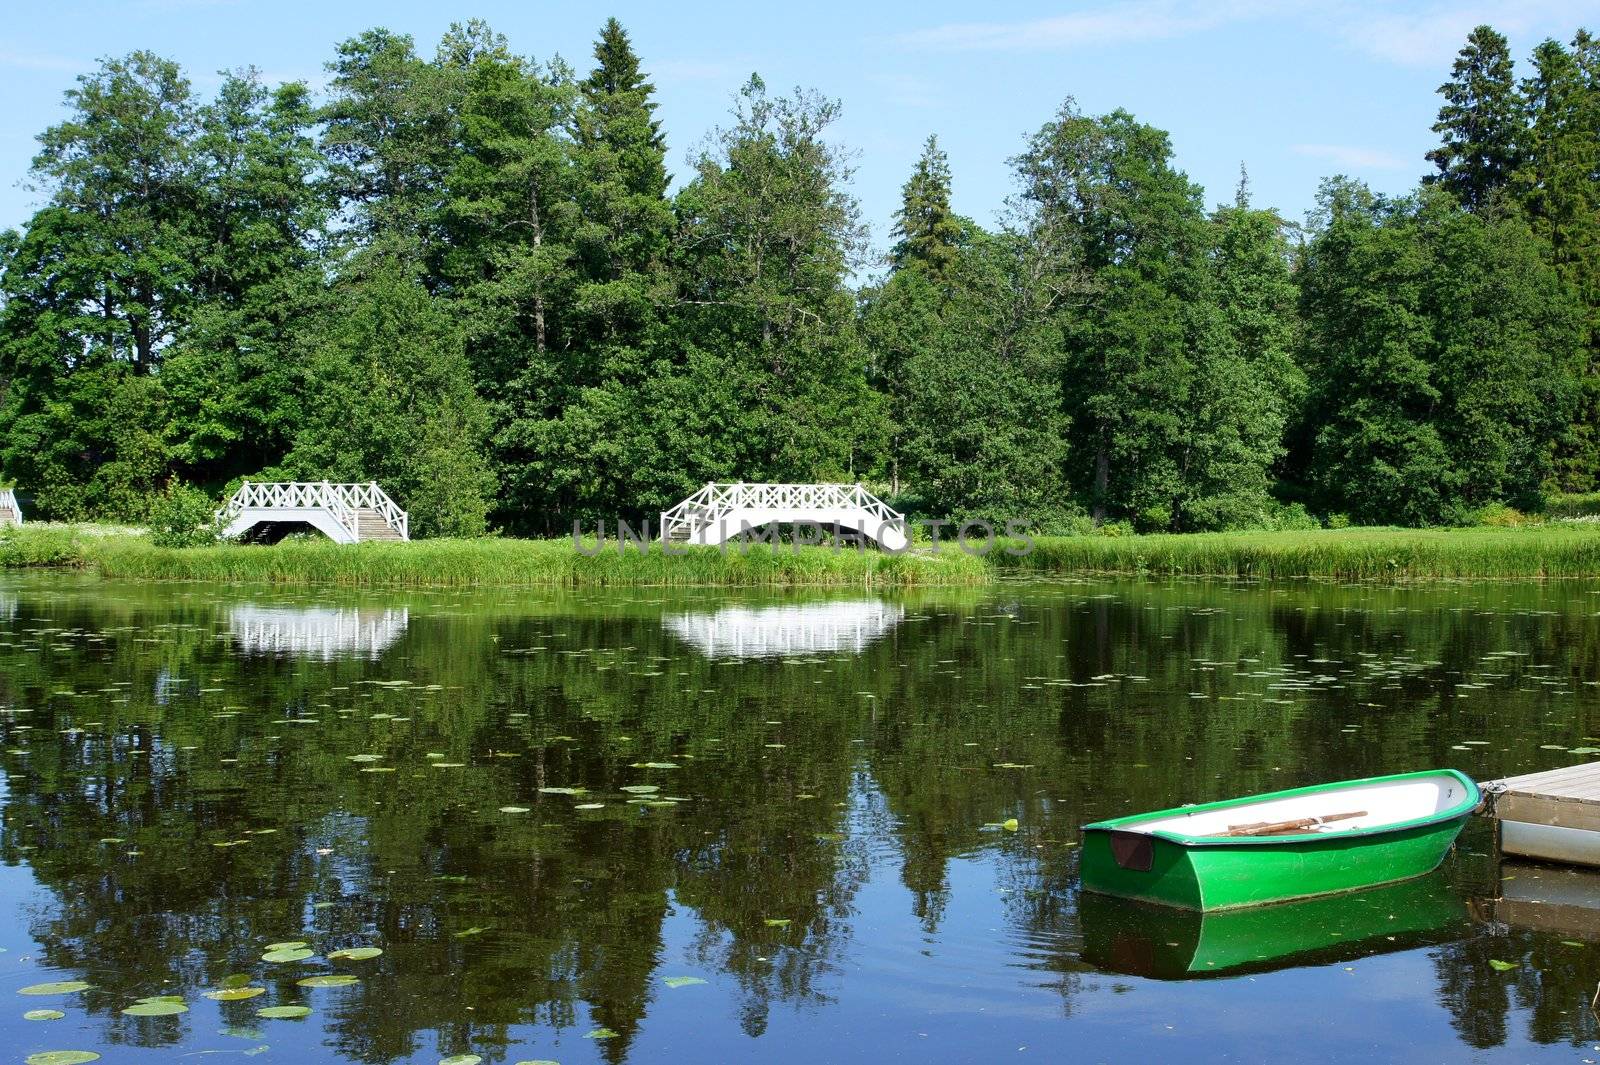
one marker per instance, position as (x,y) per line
(479,563)
(1553,550)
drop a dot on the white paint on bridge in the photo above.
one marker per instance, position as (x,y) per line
(345,513)
(10,509)
(720,512)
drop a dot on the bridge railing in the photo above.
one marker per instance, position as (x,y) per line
(8,502)
(718,500)
(341,499)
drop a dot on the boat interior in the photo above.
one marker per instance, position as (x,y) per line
(1324,811)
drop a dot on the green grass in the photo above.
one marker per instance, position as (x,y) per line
(1561,550)
(486,563)
(1554,550)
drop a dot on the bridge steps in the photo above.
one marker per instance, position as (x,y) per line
(370,525)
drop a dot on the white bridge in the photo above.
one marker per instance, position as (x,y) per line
(10,509)
(347,513)
(720,512)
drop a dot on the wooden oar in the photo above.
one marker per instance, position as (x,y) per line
(1279,828)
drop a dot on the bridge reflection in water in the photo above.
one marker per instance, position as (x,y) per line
(786,629)
(317,632)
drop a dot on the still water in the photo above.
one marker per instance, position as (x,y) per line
(707,827)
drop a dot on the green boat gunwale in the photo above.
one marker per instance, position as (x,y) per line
(1460,810)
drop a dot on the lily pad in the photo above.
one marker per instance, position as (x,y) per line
(461,1059)
(640,789)
(235,994)
(1010,824)
(364,757)
(590,806)
(600,1033)
(562,791)
(777,922)
(1501,966)
(161,1006)
(284,1013)
(655,765)
(61,1057)
(236,980)
(43,1015)
(513,809)
(681,981)
(355,954)
(59,987)
(475,930)
(286,955)
(293,944)
(329,980)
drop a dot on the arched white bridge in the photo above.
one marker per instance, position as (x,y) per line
(346,513)
(10,509)
(719,512)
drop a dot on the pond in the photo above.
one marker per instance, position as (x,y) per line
(650,826)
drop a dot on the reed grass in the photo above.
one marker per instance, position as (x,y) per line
(1359,554)
(1566,549)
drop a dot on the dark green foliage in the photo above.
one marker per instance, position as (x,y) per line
(1559,186)
(1481,122)
(1441,346)
(391,399)
(767,238)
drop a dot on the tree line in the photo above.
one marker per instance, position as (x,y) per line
(472,279)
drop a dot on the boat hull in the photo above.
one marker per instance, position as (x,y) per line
(1213,873)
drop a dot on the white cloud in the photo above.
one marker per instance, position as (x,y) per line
(1113,24)
(1352,156)
(1433,35)
(1426,35)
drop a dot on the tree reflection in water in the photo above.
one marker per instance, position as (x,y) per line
(185,794)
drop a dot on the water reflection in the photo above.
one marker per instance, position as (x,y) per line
(786,629)
(819,838)
(1171,944)
(316,632)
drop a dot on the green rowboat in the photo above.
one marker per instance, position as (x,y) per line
(1281,846)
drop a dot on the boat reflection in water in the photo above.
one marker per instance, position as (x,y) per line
(786,630)
(324,633)
(1166,943)
(1544,898)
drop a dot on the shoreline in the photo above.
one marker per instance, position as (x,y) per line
(1382,555)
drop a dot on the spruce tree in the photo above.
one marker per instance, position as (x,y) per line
(1481,122)
(928,232)
(1559,186)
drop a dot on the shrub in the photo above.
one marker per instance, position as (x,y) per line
(1500,516)
(183,517)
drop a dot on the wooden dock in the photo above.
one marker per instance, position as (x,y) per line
(1553,815)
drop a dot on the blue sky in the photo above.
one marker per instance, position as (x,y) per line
(1295,90)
